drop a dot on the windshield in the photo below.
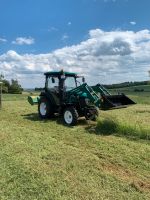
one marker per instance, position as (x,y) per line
(79,81)
(70,83)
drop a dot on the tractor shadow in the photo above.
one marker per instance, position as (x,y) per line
(31,117)
(56,118)
(35,117)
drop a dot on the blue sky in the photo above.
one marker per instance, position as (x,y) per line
(31,28)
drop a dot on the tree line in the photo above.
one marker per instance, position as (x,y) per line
(12,87)
(126,84)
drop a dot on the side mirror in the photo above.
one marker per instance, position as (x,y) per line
(53,80)
(83,79)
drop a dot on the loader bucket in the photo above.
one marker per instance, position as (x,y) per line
(115,101)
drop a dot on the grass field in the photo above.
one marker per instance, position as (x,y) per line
(45,160)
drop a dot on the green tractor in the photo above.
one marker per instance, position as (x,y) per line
(68,95)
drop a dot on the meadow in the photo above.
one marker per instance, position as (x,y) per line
(46,160)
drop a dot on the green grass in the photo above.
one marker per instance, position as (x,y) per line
(45,160)
(16,97)
(138,97)
(132,122)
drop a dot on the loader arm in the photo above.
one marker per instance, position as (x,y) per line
(85,91)
(100,89)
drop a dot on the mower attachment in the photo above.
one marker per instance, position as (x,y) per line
(33,100)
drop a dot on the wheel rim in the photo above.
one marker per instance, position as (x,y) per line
(68,117)
(43,108)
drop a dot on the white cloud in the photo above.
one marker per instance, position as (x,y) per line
(23,41)
(110,1)
(69,23)
(51,29)
(64,37)
(3,40)
(133,23)
(105,57)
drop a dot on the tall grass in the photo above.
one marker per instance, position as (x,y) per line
(110,125)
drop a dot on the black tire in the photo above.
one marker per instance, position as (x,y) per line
(92,113)
(45,108)
(70,116)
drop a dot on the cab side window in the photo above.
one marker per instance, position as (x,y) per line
(53,83)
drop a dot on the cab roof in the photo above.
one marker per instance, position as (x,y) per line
(58,73)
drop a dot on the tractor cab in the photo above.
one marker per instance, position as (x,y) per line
(54,80)
(57,84)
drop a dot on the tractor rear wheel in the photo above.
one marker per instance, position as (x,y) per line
(45,108)
(70,116)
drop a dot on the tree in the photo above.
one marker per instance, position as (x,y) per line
(14,87)
(1,77)
(5,85)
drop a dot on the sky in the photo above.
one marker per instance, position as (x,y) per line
(107,41)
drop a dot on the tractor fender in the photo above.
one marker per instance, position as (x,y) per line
(65,105)
(45,94)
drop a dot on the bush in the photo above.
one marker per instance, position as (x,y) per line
(138,90)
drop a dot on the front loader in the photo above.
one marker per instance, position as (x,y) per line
(109,101)
(63,94)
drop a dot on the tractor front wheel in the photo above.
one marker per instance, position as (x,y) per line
(92,113)
(70,116)
(44,108)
